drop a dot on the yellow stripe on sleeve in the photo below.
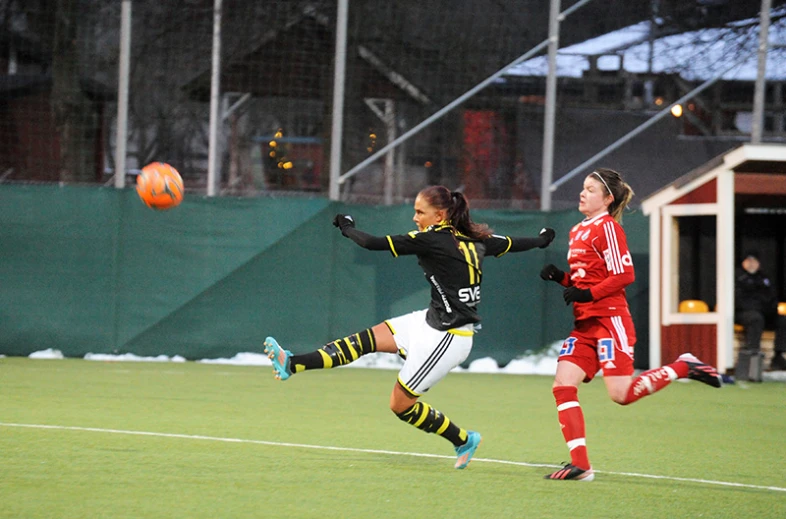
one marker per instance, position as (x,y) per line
(392,248)
(510,244)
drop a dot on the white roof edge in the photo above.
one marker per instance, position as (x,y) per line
(732,159)
(772,152)
(653,202)
(672,193)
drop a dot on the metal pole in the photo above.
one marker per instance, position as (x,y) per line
(400,163)
(336,132)
(655,118)
(759,93)
(122,95)
(547,171)
(390,168)
(450,106)
(215,77)
(13,59)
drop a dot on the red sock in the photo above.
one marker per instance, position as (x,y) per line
(654,380)
(571,419)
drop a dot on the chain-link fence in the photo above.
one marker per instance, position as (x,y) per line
(405,61)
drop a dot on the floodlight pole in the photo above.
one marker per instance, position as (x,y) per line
(122,95)
(759,92)
(547,171)
(337,125)
(215,77)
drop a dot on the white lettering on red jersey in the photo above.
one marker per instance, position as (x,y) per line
(599,259)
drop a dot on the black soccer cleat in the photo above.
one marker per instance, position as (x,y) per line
(697,370)
(570,471)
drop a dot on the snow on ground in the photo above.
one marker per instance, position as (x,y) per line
(542,363)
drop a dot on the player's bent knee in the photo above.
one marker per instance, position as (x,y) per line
(620,399)
(619,395)
(400,401)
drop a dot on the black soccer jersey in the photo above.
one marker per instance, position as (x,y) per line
(452,264)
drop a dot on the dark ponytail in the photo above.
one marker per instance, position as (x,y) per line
(457,207)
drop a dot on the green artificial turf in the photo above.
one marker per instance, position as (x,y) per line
(191,440)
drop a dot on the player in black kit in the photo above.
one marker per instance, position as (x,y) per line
(450,248)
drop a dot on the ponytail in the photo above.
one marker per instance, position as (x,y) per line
(457,207)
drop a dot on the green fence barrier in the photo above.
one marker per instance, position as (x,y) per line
(93,270)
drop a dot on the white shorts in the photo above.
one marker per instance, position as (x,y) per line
(430,354)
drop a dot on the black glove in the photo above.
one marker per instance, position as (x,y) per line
(548,234)
(343,222)
(552,273)
(577,295)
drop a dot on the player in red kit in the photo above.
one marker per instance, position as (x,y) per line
(603,335)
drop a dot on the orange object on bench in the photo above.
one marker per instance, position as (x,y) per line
(693,306)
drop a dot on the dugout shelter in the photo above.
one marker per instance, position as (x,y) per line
(700,225)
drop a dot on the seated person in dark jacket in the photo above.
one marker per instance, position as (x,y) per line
(755,304)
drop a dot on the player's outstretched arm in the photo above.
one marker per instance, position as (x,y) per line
(346,224)
(541,241)
(547,234)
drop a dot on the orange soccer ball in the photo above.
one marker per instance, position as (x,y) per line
(160,186)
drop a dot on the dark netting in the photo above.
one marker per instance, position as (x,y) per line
(405,62)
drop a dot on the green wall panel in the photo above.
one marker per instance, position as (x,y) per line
(89,269)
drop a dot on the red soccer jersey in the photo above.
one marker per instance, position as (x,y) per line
(599,259)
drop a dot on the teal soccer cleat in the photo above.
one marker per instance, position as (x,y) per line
(465,452)
(280,358)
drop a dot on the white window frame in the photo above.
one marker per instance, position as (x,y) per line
(670,266)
